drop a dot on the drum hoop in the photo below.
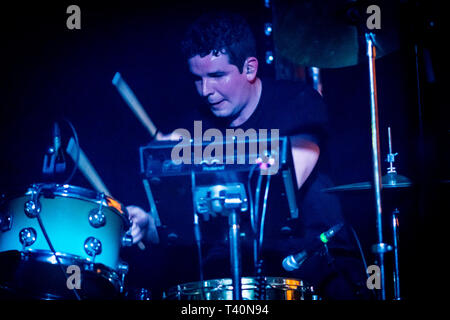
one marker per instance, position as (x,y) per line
(74,192)
(43,256)
(100,269)
(195,287)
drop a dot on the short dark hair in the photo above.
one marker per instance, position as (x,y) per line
(220,32)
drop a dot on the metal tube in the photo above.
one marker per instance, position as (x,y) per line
(371,53)
(235,254)
(197,232)
(395,226)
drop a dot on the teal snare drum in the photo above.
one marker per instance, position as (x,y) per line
(84,227)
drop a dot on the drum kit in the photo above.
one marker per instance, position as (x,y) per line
(49,229)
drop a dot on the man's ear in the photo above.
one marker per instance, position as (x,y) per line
(251,68)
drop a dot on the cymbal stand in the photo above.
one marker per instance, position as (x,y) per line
(380,247)
(392,175)
(395,226)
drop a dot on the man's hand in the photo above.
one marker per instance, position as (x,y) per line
(143,225)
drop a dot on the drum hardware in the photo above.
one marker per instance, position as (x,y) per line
(33,207)
(396,237)
(197,231)
(337,45)
(93,247)
(27,236)
(222,289)
(391,180)
(123,270)
(127,240)
(144,295)
(371,55)
(225,200)
(97,253)
(30,281)
(96,217)
(32,210)
(259,232)
(5,222)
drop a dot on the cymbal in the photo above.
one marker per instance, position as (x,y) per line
(387,181)
(324,34)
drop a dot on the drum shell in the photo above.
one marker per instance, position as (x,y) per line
(66,221)
(221,289)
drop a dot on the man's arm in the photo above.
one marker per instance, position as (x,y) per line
(305,154)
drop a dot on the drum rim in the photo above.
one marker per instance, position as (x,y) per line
(190,288)
(76,192)
(43,256)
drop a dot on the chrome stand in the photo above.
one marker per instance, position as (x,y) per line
(235,254)
(392,180)
(395,234)
(225,200)
(380,247)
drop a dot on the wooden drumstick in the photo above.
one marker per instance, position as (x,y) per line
(129,97)
(86,167)
(90,173)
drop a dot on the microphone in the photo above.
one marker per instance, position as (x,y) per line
(54,161)
(294,261)
(60,161)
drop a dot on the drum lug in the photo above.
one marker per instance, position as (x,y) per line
(123,267)
(143,295)
(27,236)
(92,246)
(33,207)
(127,240)
(97,218)
(123,270)
(5,222)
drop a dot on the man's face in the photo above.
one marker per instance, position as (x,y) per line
(222,84)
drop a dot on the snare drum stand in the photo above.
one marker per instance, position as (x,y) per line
(229,199)
(235,253)
(231,204)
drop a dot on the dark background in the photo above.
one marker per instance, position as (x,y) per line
(50,73)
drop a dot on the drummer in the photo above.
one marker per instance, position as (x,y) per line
(221,54)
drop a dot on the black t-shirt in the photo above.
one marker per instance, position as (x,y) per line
(296,109)
(292,107)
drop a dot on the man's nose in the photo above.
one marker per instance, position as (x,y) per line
(206,88)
